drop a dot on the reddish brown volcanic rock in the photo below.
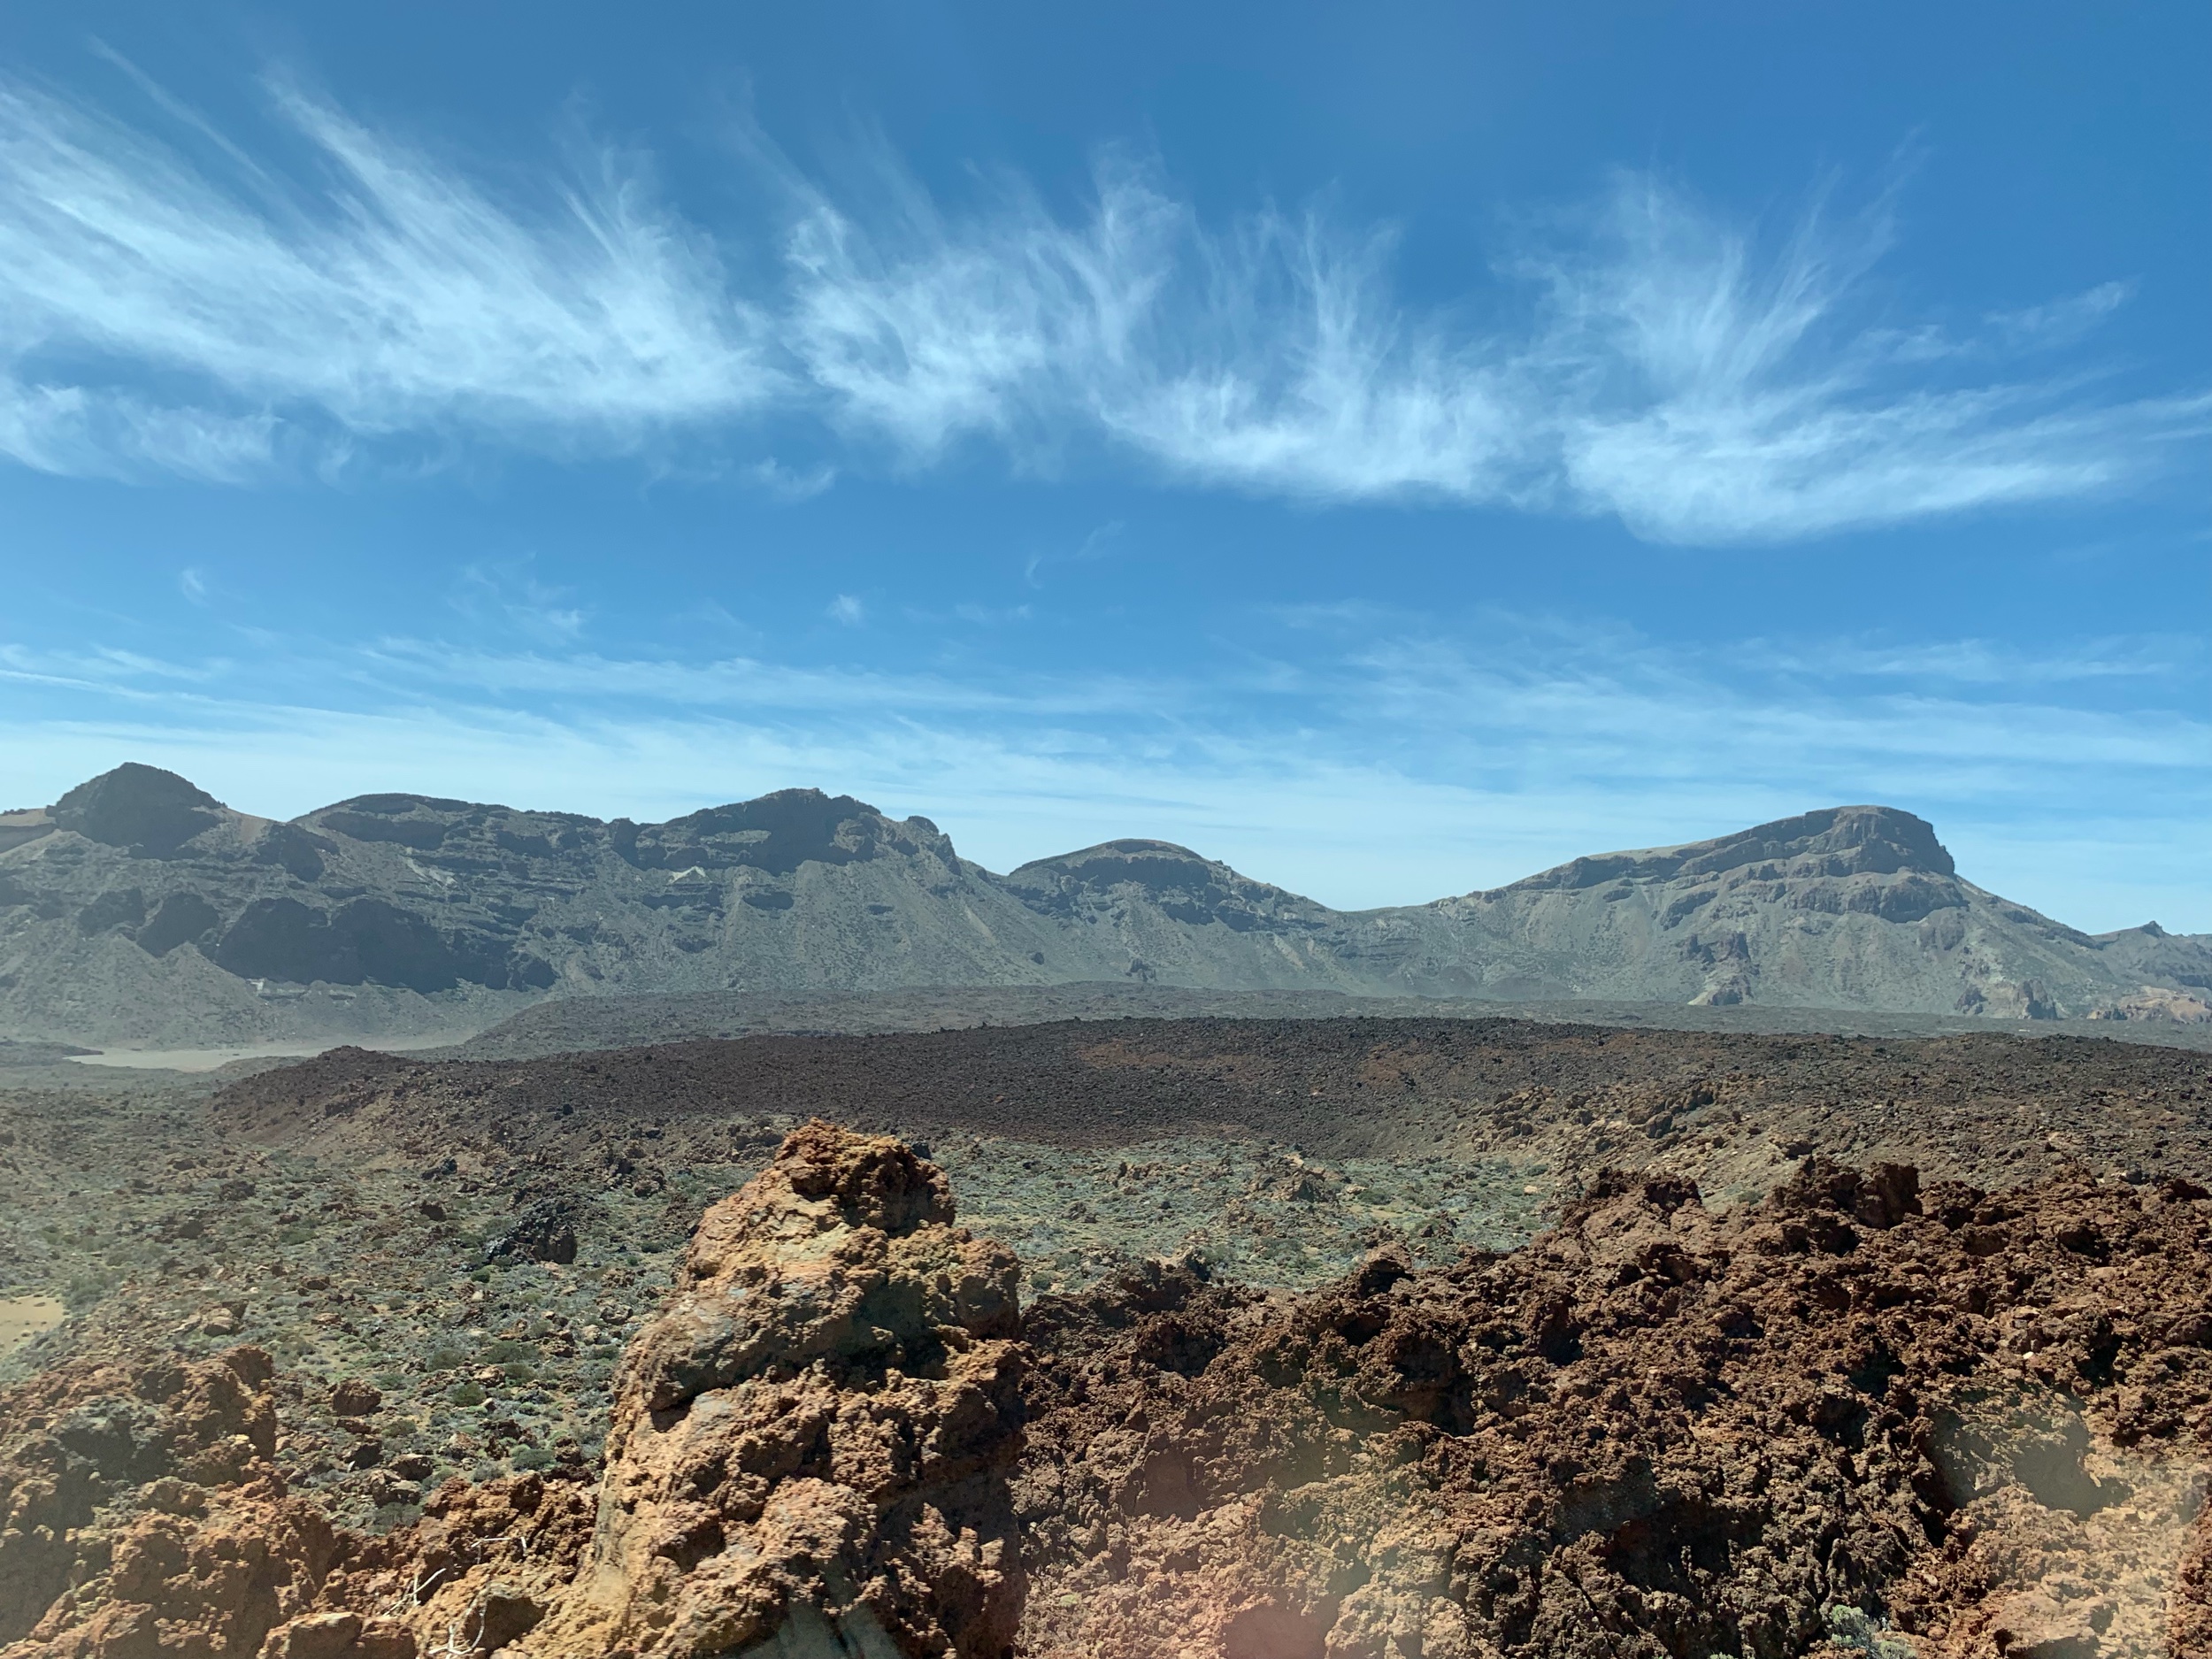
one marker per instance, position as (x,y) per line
(473,1575)
(1929,1423)
(212,1554)
(810,1447)
(1866,1414)
(815,1435)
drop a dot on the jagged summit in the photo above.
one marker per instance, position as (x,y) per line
(775,833)
(778,833)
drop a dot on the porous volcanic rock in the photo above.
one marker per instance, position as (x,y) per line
(205,1554)
(473,1575)
(814,1437)
(810,1453)
(1871,1413)
(1935,1425)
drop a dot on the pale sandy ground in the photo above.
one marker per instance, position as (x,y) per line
(209,1059)
(23,1317)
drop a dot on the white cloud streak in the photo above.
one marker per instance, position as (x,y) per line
(220,318)
(396,296)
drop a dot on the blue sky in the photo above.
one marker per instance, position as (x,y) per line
(1391,448)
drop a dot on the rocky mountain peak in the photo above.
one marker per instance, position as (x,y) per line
(1162,867)
(1180,885)
(776,834)
(1836,841)
(144,807)
(1878,840)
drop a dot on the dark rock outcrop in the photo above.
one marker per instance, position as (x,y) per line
(152,812)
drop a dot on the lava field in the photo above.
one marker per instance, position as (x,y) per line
(1256,1339)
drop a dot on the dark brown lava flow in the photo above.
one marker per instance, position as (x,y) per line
(1983,1108)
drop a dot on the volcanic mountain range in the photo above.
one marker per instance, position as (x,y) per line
(138,910)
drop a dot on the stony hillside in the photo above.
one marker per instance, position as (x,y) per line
(1851,906)
(139,910)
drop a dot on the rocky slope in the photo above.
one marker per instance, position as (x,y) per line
(139,911)
(1869,1414)
(1860,1417)
(1852,907)
(1281,1149)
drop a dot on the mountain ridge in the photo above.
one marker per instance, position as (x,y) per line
(138,908)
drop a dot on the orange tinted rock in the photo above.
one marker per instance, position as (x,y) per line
(818,1427)
(220,1551)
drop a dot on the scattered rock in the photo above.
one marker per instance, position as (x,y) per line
(545,1231)
(355,1398)
(1946,1415)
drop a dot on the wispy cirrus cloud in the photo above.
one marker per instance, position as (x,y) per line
(1721,396)
(178,305)
(108,432)
(1979,662)
(388,295)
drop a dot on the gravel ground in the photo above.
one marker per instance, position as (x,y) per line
(347,1214)
(1264,1215)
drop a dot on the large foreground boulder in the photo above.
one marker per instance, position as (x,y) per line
(808,1456)
(810,1445)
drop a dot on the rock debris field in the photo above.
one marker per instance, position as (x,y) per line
(1249,1338)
